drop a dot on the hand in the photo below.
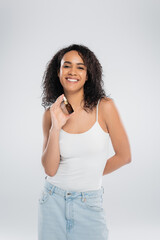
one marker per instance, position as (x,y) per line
(58,117)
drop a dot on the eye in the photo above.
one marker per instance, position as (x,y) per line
(81,68)
(65,66)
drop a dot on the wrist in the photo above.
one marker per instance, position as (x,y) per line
(54,129)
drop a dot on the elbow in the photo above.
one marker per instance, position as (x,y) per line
(125,159)
(50,173)
(128,159)
(48,170)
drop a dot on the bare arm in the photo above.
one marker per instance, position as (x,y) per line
(118,137)
(50,154)
(53,120)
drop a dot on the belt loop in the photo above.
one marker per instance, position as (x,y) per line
(103,189)
(52,190)
(83,197)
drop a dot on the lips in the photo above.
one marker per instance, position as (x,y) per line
(72,78)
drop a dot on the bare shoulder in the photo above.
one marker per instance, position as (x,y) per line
(46,121)
(116,128)
(46,113)
(46,125)
(107,104)
(110,111)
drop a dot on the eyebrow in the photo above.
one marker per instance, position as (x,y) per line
(77,63)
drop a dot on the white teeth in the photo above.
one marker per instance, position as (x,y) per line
(72,80)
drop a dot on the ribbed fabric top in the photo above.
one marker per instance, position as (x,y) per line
(82,159)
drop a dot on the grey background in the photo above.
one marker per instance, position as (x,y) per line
(125,37)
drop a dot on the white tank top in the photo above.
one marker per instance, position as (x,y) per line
(82,159)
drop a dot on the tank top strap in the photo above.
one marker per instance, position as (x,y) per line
(97,111)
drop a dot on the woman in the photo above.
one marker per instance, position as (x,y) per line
(75,150)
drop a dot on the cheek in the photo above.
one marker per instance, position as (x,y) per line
(83,75)
(62,72)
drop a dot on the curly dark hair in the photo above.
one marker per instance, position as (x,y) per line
(93,87)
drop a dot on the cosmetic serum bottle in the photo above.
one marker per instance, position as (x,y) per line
(67,105)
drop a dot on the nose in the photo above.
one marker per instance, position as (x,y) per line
(72,71)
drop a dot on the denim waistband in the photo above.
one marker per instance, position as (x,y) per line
(55,189)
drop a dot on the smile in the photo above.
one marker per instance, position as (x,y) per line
(72,80)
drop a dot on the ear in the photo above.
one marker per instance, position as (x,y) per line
(58,73)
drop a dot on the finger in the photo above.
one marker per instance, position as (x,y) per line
(57,102)
(59,99)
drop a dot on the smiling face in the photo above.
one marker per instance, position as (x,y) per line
(72,73)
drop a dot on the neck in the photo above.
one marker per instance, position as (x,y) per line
(76,101)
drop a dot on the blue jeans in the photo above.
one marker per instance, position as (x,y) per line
(70,215)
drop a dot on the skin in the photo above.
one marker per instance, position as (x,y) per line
(108,118)
(74,92)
